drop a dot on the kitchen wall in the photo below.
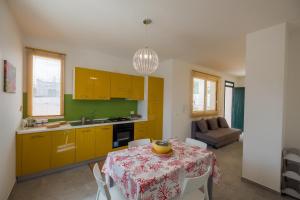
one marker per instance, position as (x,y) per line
(11,50)
(177,84)
(264,106)
(80,56)
(292,131)
(75,109)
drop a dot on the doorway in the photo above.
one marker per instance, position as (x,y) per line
(228,97)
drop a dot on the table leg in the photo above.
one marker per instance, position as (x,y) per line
(111,182)
(210,187)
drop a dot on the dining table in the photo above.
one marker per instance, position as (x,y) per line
(141,174)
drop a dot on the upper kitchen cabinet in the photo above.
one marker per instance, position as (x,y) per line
(137,89)
(120,86)
(91,84)
(155,89)
(101,85)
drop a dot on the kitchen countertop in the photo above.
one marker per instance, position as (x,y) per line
(68,126)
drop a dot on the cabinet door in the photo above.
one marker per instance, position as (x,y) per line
(140,130)
(155,89)
(155,107)
(83,83)
(101,88)
(63,148)
(137,90)
(120,85)
(85,144)
(19,142)
(36,150)
(104,137)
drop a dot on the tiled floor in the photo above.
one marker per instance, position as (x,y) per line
(79,184)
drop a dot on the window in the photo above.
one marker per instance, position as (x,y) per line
(205,94)
(45,83)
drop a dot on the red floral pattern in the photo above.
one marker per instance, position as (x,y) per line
(140,174)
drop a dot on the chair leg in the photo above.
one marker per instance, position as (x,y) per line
(98,195)
(206,192)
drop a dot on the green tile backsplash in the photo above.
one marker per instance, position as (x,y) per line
(74,109)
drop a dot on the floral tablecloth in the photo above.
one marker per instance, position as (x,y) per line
(140,174)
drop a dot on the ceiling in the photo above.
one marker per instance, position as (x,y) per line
(205,32)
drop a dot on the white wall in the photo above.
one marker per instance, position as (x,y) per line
(264,110)
(180,92)
(11,50)
(292,130)
(240,81)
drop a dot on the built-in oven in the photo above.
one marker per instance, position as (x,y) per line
(122,134)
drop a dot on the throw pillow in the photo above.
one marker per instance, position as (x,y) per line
(202,125)
(213,123)
(222,122)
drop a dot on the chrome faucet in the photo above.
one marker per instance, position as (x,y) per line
(83,119)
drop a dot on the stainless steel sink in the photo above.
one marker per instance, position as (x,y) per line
(89,122)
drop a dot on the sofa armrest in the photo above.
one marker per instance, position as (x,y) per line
(194,129)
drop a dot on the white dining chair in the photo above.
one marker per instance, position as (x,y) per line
(137,143)
(193,142)
(191,187)
(104,192)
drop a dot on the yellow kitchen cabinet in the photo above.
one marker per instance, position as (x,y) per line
(155,107)
(19,155)
(140,130)
(155,89)
(137,90)
(91,84)
(103,137)
(36,150)
(85,144)
(101,88)
(83,83)
(120,86)
(63,148)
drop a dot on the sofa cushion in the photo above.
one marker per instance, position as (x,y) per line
(212,123)
(219,135)
(222,122)
(202,126)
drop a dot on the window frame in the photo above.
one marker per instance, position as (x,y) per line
(49,54)
(206,77)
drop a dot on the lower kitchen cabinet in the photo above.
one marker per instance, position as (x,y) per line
(85,144)
(36,151)
(63,148)
(140,130)
(104,140)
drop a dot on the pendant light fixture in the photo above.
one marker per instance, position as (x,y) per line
(145,60)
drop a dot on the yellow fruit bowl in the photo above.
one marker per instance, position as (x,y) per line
(161,147)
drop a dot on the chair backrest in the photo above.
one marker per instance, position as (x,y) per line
(137,143)
(191,184)
(193,142)
(102,186)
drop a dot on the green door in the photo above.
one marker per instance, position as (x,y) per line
(238,104)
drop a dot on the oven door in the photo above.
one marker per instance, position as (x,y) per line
(123,133)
